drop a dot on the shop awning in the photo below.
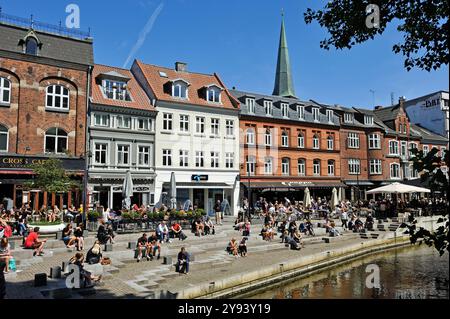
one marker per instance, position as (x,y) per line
(293,185)
(5,172)
(360,183)
(201,185)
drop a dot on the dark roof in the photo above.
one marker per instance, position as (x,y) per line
(387,113)
(428,136)
(293,114)
(53,46)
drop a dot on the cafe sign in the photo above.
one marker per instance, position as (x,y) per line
(17,162)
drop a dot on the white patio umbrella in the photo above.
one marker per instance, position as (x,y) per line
(307,198)
(173,192)
(341,194)
(398,188)
(127,190)
(334,199)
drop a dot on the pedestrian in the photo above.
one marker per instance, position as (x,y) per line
(218,213)
(183,262)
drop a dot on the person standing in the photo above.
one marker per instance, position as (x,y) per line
(218,213)
(344,219)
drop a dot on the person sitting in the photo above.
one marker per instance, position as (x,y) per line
(163,232)
(243,247)
(5,253)
(182,266)
(177,231)
(209,227)
(103,235)
(32,242)
(143,245)
(309,228)
(270,233)
(68,237)
(199,228)
(154,246)
(246,230)
(86,277)
(369,222)
(94,255)
(358,225)
(297,236)
(285,236)
(233,248)
(78,233)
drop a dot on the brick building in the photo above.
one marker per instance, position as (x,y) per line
(44,80)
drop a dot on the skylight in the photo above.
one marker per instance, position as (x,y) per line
(163,74)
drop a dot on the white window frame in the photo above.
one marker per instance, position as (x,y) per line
(229,160)
(229,128)
(368,120)
(268,108)
(300,140)
(182,87)
(394,145)
(167,158)
(425,149)
(250,136)
(316,142)
(199,159)
(57,137)
(285,139)
(285,110)
(268,165)
(145,127)
(398,170)
(215,162)
(215,127)
(353,140)
(4,89)
(301,112)
(316,167)
(102,118)
(184,158)
(354,166)
(62,96)
(330,116)
(213,95)
(250,102)
(251,165)
(411,146)
(200,125)
(167,122)
(375,167)
(348,118)
(184,123)
(301,167)
(374,141)
(122,118)
(330,142)
(285,166)
(118,145)
(106,151)
(6,135)
(118,89)
(143,154)
(268,137)
(331,167)
(316,114)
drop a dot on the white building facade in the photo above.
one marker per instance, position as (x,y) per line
(197,137)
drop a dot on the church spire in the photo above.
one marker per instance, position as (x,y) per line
(284,86)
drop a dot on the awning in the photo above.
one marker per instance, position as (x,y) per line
(195,185)
(360,183)
(293,185)
(4,172)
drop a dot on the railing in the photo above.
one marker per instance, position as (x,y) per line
(44,27)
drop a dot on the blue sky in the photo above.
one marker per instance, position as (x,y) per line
(238,39)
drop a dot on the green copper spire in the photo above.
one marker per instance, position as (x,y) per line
(284,86)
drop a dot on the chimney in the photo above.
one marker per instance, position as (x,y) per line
(401,101)
(181,66)
(378,107)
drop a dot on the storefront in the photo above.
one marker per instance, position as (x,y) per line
(16,174)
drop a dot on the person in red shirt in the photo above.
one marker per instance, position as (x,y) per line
(33,242)
(178,232)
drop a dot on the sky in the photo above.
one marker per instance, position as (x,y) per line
(238,39)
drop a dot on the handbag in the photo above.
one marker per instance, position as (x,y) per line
(106,261)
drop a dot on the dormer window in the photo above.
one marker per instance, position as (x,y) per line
(250,102)
(368,120)
(348,118)
(180,89)
(213,94)
(315,112)
(301,112)
(285,109)
(330,116)
(268,108)
(116,90)
(31,46)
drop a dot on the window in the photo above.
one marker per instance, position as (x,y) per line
(116,90)
(251,165)
(330,116)
(315,112)
(375,167)
(179,90)
(213,95)
(316,167)
(301,165)
(5,91)
(250,136)
(284,139)
(167,157)
(229,125)
(101,153)
(229,160)
(268,138)
(404,128)
(200,125)
(393,148)
(143,125)
(268,165)
(330,142)
(374,141)
(199,159)
(354,166)
(425,150)
(395,171)
(144,155)
(284,109)
(443,150)
(301,112)
(123,154)
(412,146)
(56,141)
(184,158)
(101,120)
(301,140)
(57,97)
(316,142)
(215,127)
(167,121)
(285,166)
(250,105)
(353,140)
(348,117)
(31,46)
(268,108)
(368,120)
(3,139)
(330,168)
(403,149)
(184,123)
(214,159)
(124,122)
(413,173)
(400,128)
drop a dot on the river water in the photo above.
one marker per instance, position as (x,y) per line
(416,272)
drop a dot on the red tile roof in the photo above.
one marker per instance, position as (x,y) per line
(197,83)
(139,99)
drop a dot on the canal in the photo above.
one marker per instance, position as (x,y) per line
(416,272)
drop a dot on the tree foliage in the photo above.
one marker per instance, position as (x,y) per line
(423,23)
(51,177)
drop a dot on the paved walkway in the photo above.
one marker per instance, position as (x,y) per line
(126,278)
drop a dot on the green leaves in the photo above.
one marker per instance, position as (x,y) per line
(51,177)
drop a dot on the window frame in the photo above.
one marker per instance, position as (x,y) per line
(353,140)
(106,151)
(316,142)
(331,164)
(301,162)
(284,110)
(129,152)
(184,123)
(250,136)
(354,163)
(285,139)
(4,89)
(4,133)
(229,160)
(268,108)
(397,147)
(167,158)
(285,163)
(229,128)
(316,167)
(398,170)
(184,158)
(374,140)
(200,124)
(268,165)
(57,137)
(199,159)
(138,161)
(316,114)
(215,159)
(54,97)
(250,103)
(215,127)
(375,166)
(330,142)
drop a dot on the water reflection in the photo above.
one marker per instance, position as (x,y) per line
(406,273)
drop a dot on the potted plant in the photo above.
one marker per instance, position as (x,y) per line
(161,215)
(93,216)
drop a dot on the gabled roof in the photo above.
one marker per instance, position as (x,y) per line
(428,136)
(197,81)
(387,113)
(139,99)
